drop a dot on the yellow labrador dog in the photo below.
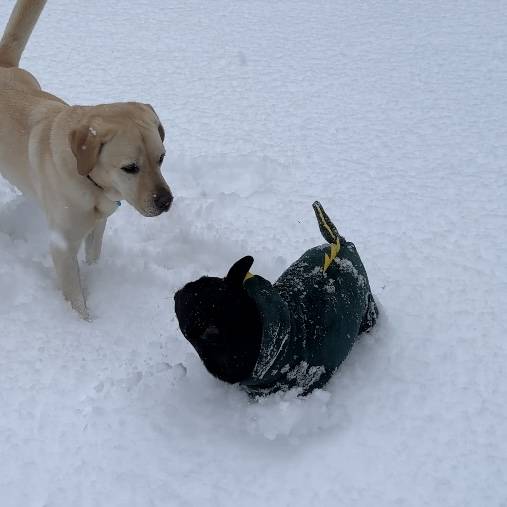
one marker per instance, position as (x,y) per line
(78,162)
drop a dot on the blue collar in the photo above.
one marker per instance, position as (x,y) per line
(118,203)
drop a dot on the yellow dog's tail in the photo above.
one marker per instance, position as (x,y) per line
(330,233)
(18,31)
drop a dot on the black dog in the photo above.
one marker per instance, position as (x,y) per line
(221,321)
(294,333)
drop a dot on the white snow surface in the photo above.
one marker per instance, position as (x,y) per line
(392,114)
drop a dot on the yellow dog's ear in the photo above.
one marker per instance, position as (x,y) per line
(160,127)
(86,143)
(161,131)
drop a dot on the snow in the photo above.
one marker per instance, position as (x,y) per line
(393,115)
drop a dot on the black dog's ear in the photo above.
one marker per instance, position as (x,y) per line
(238,271)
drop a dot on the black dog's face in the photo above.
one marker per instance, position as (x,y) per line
(221,321)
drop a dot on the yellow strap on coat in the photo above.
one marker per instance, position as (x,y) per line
(334,248)
(328,259)
(248,276)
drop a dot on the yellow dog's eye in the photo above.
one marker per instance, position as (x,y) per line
(161,159)
(131,168)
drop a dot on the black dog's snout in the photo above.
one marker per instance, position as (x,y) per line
(163,200)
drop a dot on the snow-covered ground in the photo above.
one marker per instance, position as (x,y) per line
(394,115)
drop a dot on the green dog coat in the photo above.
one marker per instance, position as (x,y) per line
(311,315)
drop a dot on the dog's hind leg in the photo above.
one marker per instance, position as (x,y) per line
(93,242)
(370,317)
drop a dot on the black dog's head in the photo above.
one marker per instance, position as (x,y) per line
(221,321)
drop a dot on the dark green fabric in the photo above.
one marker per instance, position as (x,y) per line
(310,320)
